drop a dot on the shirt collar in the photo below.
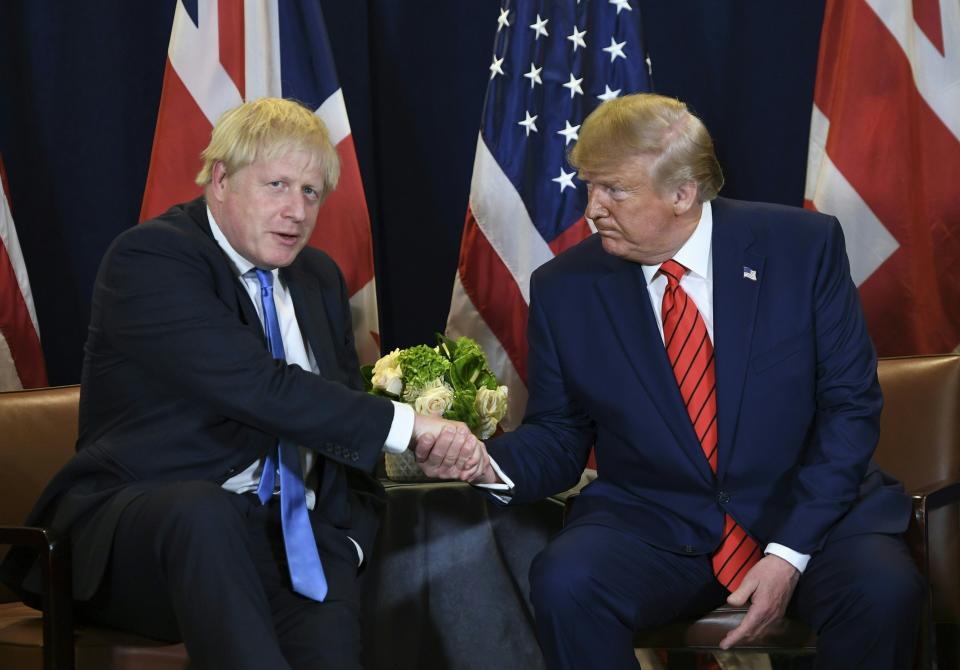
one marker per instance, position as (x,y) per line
(240,264)
(695,252)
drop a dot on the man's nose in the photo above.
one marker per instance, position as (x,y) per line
(595,208)
(296,208)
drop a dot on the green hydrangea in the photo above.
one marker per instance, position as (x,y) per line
(421,364)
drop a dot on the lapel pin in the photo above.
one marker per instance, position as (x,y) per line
(749,273)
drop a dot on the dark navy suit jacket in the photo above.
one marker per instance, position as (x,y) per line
(178,384)
(797,394)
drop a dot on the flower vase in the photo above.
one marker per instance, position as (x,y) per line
(403,467)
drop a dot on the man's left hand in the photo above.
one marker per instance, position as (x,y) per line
(768,587)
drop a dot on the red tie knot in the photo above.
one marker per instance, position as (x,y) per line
(673,271)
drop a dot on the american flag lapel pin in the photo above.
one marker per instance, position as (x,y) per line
(749,273)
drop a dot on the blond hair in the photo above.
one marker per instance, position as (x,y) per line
(654,126)
(267,128)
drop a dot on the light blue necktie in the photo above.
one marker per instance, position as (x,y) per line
(306,571)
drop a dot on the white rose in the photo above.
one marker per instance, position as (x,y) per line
(391,360)
(487,427)
(492,404)
(389,380)
(387,375)
(435,398)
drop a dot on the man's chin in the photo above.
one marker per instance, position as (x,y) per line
(612,246)
(281,258)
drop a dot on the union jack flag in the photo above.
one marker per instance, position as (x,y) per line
(553,63)
(884,158)
(224,52)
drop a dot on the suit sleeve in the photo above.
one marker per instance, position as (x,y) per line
(846,424)
(162,309)
(549,451)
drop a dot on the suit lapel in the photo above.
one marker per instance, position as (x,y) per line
(735,299)
(623,294)
(197,211)
(308,304)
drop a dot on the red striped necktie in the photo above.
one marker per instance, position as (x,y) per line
(691,356)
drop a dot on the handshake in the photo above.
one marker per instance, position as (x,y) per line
(448,450)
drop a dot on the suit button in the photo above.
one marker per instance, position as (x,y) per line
(355,456)
(723,497)
(687,549)
(231,472)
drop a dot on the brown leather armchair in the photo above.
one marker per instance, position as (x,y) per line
(38,430)
(919,444)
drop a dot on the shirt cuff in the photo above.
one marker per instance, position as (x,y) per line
(401,430)
(794,558)
(502,490)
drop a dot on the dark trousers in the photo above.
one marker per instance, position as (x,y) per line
(193,562)
(593,587)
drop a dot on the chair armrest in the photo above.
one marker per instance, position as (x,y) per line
(27,536)
(937,494)
(57,595)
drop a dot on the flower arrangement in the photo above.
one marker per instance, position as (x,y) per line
(452,380)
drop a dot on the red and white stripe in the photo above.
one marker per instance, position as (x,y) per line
(231,56)
(21,358)
(884,155)
(499,251)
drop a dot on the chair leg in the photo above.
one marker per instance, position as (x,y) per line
(58,641)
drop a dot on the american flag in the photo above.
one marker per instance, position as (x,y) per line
(552,64)
(224,52)
(21,358)
(884,158)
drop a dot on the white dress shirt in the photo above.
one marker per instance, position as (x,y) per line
(297,352)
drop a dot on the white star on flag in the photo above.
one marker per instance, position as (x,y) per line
(608,94)
(502,21)
(615,49)
(574,85)
(534,75)
(530,123)
(540,27)
(577,38)
(495,67)
(565,179)
(569,133)
(621,4)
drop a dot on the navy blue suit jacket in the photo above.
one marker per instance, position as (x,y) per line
(179,385)
(797,394)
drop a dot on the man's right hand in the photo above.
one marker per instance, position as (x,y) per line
(448,450)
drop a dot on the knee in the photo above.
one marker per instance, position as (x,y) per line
(559,584)
(889,600)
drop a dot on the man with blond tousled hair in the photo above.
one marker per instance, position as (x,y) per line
(715,355)
(171,502)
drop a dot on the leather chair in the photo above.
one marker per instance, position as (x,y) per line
(38,431)
(919,444)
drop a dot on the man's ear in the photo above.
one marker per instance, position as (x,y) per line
(218,182)
(684,198)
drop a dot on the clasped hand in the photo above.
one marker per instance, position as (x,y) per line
(448,450)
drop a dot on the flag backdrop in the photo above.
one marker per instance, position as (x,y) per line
(884,158)
(553,63)
(21,359)
(222,53)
